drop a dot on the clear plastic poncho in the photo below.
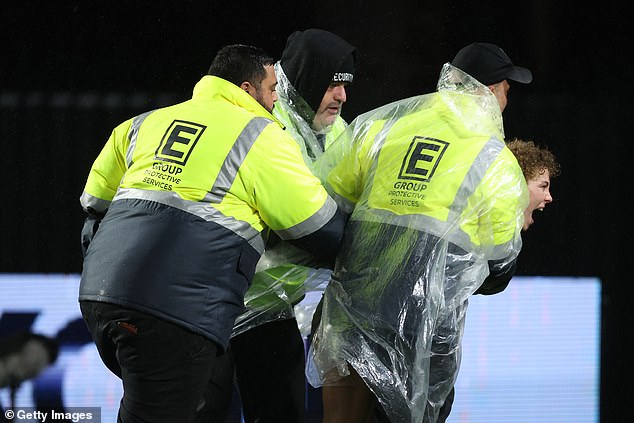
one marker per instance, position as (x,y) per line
(286,273)
(435,197)
(296,115)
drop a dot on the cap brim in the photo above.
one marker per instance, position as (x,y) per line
(520,74)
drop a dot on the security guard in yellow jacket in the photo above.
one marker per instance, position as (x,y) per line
(313,74)
(437,203)
(183,197)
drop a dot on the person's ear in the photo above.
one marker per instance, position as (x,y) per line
(245,86)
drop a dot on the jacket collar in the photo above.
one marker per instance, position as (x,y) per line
(214,88)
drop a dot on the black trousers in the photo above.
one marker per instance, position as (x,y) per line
(269,366)
(166,370)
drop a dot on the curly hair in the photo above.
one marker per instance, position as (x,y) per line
(533,159)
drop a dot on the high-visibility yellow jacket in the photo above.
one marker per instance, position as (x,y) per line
(188,191)
(437,202)
(441,177)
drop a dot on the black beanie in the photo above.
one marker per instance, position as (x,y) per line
(313,59)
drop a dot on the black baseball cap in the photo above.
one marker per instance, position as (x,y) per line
(489,64)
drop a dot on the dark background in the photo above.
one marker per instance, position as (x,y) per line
(72,70)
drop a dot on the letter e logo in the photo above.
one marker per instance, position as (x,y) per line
(179,141)
(422,158)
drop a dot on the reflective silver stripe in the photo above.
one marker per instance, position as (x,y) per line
(133,134)
(446,230)
(97,204)
(507,249)
(345,204)
(487,155)
(233,161)
(205,211)
(313,223)
(377,147)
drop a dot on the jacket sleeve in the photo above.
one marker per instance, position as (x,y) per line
(289,198)
(102,183)
(510,197)
(106,172)
(500,274)
(320,244)
(88,231)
